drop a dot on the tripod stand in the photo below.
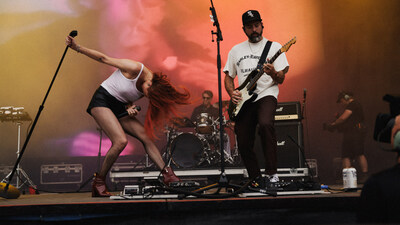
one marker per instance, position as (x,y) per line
(22,176)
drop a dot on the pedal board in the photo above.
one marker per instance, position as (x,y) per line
(140,189)
(290,186)
(184,184)
(298,186)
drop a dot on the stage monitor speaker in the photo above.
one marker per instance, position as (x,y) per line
(289,155)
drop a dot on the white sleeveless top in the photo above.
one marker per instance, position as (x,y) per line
(122,88)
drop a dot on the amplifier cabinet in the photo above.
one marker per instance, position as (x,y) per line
(288,111)
(289,154)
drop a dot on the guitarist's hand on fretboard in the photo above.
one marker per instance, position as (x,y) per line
(236,96)
(270,70)
(277,76)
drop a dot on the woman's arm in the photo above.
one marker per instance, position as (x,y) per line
(125,65)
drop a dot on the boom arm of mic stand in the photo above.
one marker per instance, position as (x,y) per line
(34,123)
(216,23)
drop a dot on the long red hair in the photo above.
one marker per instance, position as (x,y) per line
(163,100)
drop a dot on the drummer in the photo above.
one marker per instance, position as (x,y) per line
(205,128)
(206,107)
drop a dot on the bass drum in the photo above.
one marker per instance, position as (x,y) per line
(188,150)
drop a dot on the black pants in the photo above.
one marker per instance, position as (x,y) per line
(261,112)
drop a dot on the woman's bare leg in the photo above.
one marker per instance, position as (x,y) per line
(135,128)
(109,123)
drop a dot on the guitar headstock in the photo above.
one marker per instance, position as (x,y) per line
(286,47)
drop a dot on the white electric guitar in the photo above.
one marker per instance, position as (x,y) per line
(249,85)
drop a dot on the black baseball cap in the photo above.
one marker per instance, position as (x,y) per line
(250,16)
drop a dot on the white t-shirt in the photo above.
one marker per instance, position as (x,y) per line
(122,88)
(243,58)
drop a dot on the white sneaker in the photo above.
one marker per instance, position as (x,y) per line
(273,178)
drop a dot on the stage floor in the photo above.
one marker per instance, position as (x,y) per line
(319,207)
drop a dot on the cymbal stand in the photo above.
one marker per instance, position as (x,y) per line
(22,177)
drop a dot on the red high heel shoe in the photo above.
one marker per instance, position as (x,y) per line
(169,176)
(99,188)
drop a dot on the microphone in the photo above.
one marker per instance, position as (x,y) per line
(73,33)
(304,102)
(138,108)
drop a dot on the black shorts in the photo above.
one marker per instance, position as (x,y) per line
(353,144)
(101,98)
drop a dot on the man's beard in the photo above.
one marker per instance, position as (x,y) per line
(255,38)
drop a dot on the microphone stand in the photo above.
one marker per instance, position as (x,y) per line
(303,106)
(73,33)
(312,175)
(222,180)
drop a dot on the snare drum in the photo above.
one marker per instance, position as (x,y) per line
(188,150)
(204,124)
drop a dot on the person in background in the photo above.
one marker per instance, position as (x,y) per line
(205,107)
(380,195)
(351,124)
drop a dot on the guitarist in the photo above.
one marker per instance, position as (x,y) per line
(242,59)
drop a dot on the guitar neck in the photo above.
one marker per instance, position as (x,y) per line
(272,60)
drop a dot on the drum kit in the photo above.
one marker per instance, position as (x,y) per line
(196,144)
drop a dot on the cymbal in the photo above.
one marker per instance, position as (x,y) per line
(225,103)
(182,122)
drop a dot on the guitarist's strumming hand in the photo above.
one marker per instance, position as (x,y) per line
(236,96)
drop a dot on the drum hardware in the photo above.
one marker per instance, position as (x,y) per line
(17,115)
(188,150)
(215,153)
(204,124)
(198,147)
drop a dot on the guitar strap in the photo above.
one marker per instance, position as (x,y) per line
(264,54)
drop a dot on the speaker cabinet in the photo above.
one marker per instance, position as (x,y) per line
(288,152)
